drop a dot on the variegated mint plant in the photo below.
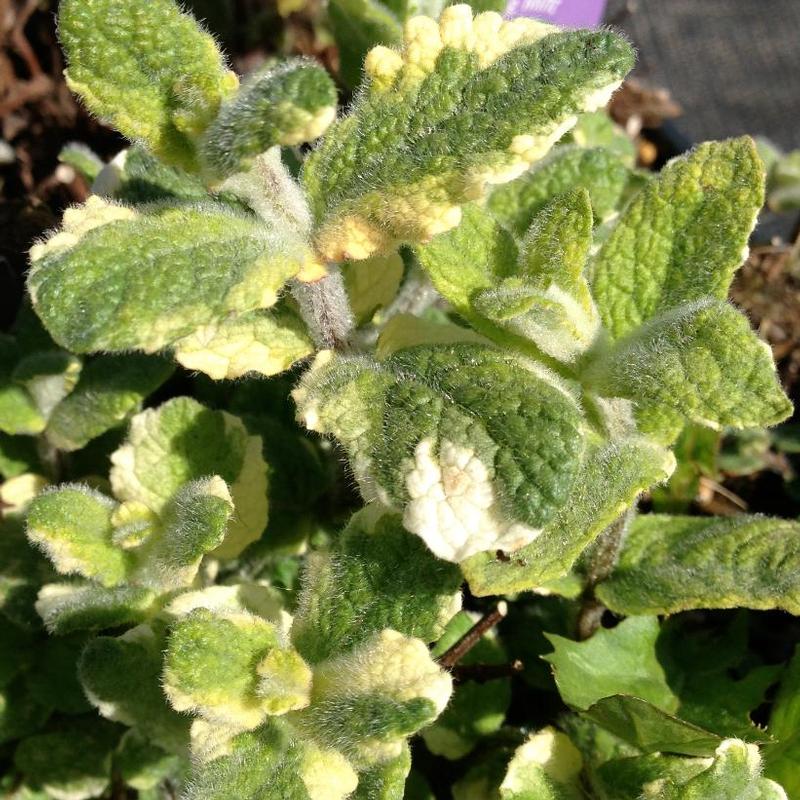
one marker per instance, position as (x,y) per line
(295,375)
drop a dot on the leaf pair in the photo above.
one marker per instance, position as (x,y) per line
(177,481)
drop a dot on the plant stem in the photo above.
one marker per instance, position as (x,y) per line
(453,655)
(483,673)
(325,308)
(604,556)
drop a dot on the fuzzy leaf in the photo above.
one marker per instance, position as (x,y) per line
(376,576)
(232,670)
(192,524)
(548,301)
(617,661)
(735,772)
(452,435)
(147,69)
(122,678)
(598,171)
(609,481)
(258,342)
(670,564)
(385,781)
(493,255)
(474,101)
(682,237)
(368,700)
(48,377)
(142,765)
(18,411)
(110,389)
(72,525)
(546,767)
(182,441)
(285,104)
(116,279)
(73,763)
(135,176)
(273,761)
(701,361)
(68,607)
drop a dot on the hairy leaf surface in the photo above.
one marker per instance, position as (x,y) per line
(453,437)
(467,98)
(671,564)
(682,237)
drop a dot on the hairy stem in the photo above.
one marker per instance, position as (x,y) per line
(602,560)
(325,308)
(453,655)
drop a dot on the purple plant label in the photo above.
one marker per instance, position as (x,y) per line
(569,13)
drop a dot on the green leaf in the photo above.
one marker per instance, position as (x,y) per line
(735,772)
(376,576)
(285,104)
(147,69)
(142,765)
(650,729)
(781,758)
(72,525)
(466,103)
(273,761)
(625,778)
(232,669)
(546,767)
(73,763)
(608,483)
(48,377)
(135,176)
(598,129)
(599,171)
(493,256)
(18,455)
(69,607)
(619,661)
(110,389)
(670,564)
(385,781)
(372,284)
(193,523)
(357,26)
(116,279)
(548,301)
(22,571)
(257,342)
(691,361)
(405,330)
(369,699)
(18,411)
(82,159)
(122,678)
(182,441)
(682,237)
(477,709)
(719,681)
(453,437)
